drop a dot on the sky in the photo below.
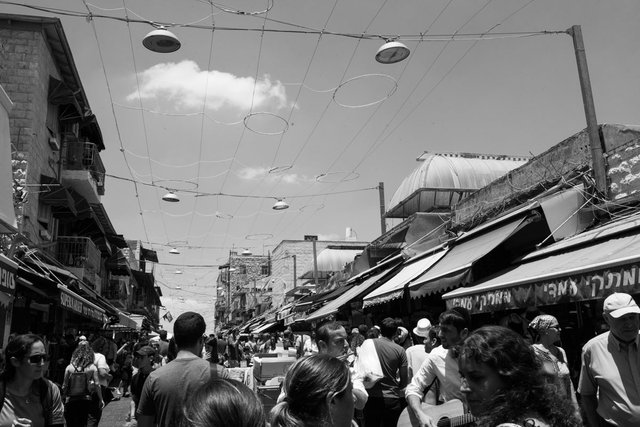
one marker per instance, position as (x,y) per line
(284,99)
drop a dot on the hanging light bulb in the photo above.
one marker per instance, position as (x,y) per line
(161,40)
(280,205)
(392,52)
(170,197)
(246,252)
(174,251)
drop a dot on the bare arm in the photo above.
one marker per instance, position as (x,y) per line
(417,417)
(589,404)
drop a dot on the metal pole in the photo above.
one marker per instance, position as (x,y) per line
(597,158)
(295,274)
(229,293)
(315,266)
(383,223)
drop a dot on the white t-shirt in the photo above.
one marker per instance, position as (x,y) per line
(101,363)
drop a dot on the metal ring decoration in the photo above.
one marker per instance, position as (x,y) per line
(348,176)
(391,92)
(259,236)
(280,169)
(312,208)
(181,243)
(223,215)
(258,113)
(240,12)
(169,184)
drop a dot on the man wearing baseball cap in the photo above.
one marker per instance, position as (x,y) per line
(610,376)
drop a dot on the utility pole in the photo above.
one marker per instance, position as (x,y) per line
(597,157)
(295,274)
(383,223)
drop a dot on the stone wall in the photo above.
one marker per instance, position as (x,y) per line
(25,66)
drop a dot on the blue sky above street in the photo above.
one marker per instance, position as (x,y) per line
(236,102)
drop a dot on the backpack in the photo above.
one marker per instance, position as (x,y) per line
(77,384)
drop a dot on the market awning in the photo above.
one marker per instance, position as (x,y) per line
(584,273)
(265,327)
(353,293)
(126,321)
(394,287)
(454,268)
(79,305)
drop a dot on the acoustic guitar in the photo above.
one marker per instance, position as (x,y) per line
(449,414)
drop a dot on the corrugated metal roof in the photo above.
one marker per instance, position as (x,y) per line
(447,178)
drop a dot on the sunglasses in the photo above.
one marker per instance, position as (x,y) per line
(38,359)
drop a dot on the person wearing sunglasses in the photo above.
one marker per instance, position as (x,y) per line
(26,397)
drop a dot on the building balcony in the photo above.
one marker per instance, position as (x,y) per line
(116,293)
(81,257)
(82,169)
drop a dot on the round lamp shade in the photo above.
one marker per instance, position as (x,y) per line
(392,52)
(280,205)
(161,41)
(170,197)
(174,251)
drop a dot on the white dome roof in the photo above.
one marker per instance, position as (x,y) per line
(442,179)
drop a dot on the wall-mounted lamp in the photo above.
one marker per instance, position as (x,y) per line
(161,40)
(392,52)
(280,205)
(170,197)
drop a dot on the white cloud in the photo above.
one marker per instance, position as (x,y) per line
(262,173)
(183,83)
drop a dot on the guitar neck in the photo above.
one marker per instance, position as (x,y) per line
(461,420)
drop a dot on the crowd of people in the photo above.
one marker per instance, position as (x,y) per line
(388,375)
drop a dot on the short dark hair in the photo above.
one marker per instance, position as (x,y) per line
(433,333)
(224,402)
(363,329)
(163,334)
(389,327)
(188,329)
(458,317)
(324,330)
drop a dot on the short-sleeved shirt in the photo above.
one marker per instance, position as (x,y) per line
(101,363)
(611,370)
(166,389)
(392,358)
(31,407)
(440,364)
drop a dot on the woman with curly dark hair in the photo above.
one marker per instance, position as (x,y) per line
(80,381)
(502,383)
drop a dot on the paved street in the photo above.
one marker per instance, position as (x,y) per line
(115,413)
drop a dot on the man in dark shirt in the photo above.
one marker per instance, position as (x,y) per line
(143,360)
(386,398)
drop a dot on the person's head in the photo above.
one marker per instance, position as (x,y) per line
(454,326)
(318,392)
(363,329)
(545,328)
(188,330)
(331,338)
(389,327)
(432,340)
(83,355)
(143,358)
(373,332)
(224,402)
(492,360)
(621,313)
(163,335)
(422,328)
(172,350)
(402,335)
(25,358)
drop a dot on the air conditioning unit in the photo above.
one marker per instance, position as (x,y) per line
(44,234)
(54,144)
